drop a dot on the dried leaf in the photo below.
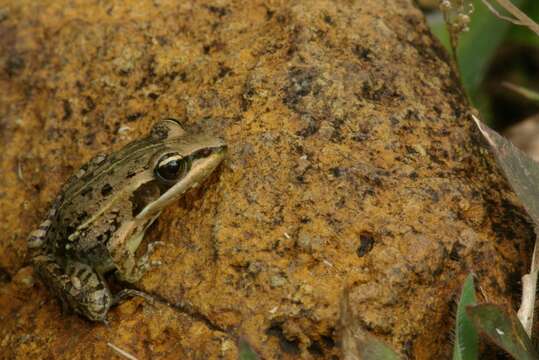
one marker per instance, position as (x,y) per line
(504,329)
(523,174)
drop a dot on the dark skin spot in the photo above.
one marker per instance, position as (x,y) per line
(87,191)
(106,190)
(80,273)
(131,173)
(83,215)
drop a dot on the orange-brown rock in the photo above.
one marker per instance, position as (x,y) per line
(352,164)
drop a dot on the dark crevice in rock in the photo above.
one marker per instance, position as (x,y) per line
(366,243)
(316,349)
(300,82)
(5,277)
(194,313)
(287,345)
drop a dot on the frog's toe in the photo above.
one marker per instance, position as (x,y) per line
(154,264)
(152,246)
(129,293)
(144,263)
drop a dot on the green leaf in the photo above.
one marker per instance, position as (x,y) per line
(246,351)
(523,35)
(504,329)
(466,338)
(437,26)
(478,46)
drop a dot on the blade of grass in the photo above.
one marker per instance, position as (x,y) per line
(526,93)
(246,352)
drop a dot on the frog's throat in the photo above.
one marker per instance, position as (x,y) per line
(134,241)
(199,171)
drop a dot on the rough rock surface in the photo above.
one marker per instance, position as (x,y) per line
(353,164)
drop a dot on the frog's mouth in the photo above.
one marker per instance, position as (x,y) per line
(201,168)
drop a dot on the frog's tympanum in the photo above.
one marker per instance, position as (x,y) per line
(99,219)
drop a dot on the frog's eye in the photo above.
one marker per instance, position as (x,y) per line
(172,167)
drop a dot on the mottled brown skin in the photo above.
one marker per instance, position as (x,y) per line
(100,217)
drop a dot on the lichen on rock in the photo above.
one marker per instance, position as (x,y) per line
(352,165)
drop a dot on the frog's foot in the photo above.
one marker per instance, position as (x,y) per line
(141,265)
(145,261)
(129,293)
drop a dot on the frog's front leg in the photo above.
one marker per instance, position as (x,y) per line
(77,286)
(128,267)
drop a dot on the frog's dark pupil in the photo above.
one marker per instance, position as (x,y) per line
(170,170)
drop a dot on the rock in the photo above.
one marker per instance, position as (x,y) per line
(343,120)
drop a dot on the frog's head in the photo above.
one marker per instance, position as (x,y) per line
(180,161)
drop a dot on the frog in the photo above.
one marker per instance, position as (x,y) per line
(98,221)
